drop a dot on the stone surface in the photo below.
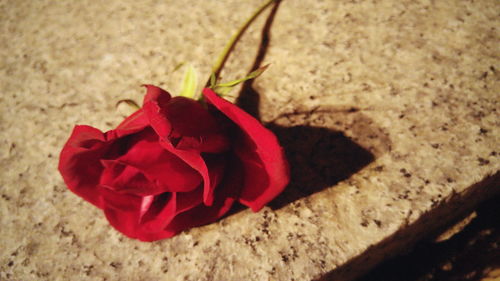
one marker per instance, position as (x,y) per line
(388,110)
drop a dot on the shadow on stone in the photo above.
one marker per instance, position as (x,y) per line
(467,255)
(430,224)
(319,158)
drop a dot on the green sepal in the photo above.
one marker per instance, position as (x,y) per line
(189,83)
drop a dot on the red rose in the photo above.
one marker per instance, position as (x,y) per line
(174,164)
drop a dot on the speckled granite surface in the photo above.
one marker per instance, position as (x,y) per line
(388,110)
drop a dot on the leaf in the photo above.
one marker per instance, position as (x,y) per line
(224,88)
(189,83)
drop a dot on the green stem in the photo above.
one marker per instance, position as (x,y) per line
(219,64)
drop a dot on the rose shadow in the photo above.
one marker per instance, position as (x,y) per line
(319,157)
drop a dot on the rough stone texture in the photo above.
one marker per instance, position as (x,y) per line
(388,110)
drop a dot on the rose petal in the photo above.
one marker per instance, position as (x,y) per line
(155,99)
(265,165)
(167,171)
(156,94)
(121,201)
(79,162)
(184,122)
(225,195)
(213,143)
(123,211)
(166,206)
(189,118)
(194,159)
(134,123)
(216,164)
(124,178)
(160,213)
(125,222)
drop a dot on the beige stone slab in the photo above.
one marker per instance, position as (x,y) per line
(388,109)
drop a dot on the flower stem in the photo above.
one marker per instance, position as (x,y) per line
(219,64)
